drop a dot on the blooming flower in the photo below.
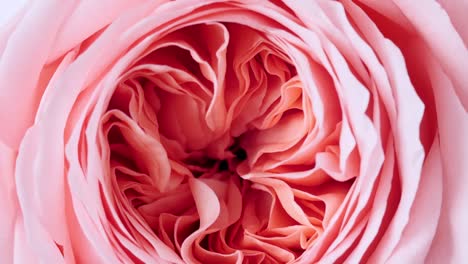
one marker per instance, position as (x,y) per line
(241,131)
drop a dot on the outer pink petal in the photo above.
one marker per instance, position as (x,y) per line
(43,37)
(456,10)
(11,13)
(22,251)
(40,239)
(8,11)
(8,203)
(418,234)
(87,18)
(435,27)
(450,243)
(19,73)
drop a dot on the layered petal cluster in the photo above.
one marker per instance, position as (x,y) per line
(212,138)
(212,131)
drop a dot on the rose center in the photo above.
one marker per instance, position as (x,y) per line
(220,133)
(204,166)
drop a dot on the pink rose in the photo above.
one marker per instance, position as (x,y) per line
(246,131)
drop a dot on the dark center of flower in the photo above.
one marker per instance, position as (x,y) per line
(203,164)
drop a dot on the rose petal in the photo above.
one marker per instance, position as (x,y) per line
(455,10)
(449,243)
(8,203)
(16,63)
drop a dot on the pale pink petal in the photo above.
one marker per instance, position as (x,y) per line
(87,18)
(417,237)
(23,252)
(16,63)
(41,236)
(447,46)
(8,203)
(455,10)
(449,243)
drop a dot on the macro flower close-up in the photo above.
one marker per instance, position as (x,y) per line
(240,131)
